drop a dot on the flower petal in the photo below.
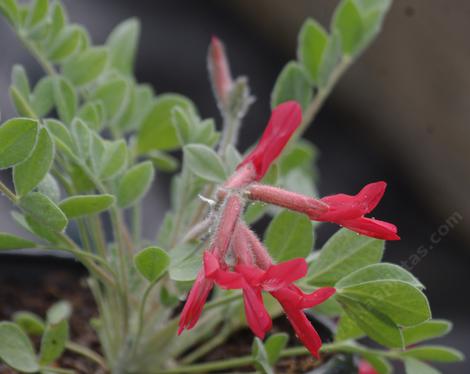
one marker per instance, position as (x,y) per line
(252,274)
(372,227)
(285,119)
(317,297)
(256,315)
(195,302)
(283,274)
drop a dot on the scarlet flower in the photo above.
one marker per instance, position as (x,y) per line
(276,279)
(349,211)
(284,121)
(195,302)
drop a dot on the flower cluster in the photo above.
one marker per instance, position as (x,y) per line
(251,268)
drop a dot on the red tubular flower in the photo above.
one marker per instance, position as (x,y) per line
(276,279)
(349,211)
(195,302)
(285,119)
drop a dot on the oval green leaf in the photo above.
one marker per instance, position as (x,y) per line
(9,241)
(16,349)
(84,205)
(152,263)
(53,341)
(87,66)
(17,140)
(134,184)
(39,207)
(204,162)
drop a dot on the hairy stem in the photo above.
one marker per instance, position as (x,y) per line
(88,353)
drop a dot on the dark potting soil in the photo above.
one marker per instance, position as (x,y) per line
(34,284)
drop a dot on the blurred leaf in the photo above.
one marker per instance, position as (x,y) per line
(65,44)
(42,98)
(114,159)
(434,353)
(38,12)
(426,330)
(82,137)
(59,311)
(9,241)
(374,323)
(53,342)
(17,139)
(134,184)
(313,40)
(380,364)
(331,57)
(289,235)
(28,174)
(260,357)
(65,99)
(185,264)
(157,131)
(29,322)
(84,205)
(92,114)
(204,162)
(183,125)
(86,66)
(10,10)
(413,366)
(21,103)
(347,329)
(122,43)
(20,80)
(292,84)
(16,349)
(152,263)
(347,22)
(382,271)
(164,161)
(342,254)
(114,96)
(274,345)
(44,211)
(49,187)
(61,135)
(58,21)
(403,303)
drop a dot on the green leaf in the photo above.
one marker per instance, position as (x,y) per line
(82,138)
(289,235)
(374,323)
(331,57)
(114,96)
(21,103)
(66,44)
(380,364)
(16,349)
(152,263)
(185,263)
(65,99)
(313,40)
(134,184)
(434,353)
(10,10)
(20,80)
(17,140)
(44,211)
(157,131)
(347,329)
(114,159)
(426,330)
(93,114)
(87,66)
(204,162)
(61,310)
(9,241)
(260,357)
(403,303)
(42,98)
(164,161)
(58,21)
(413,366)
(347,22)
(38,12)
(183,125)
(344,253)
(49,187)
(122,43)
(292,84)
(274,346)
(61,135)
(84,205)
(382,271)
(53,342)
(29,322)
(32,171)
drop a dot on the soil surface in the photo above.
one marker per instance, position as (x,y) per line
(34,284)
